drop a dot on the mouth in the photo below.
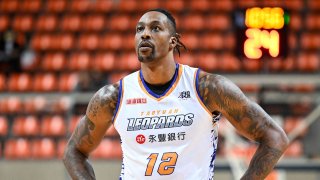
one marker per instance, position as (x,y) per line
(145,46)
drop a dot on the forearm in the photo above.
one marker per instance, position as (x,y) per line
(265,158)
(77,164)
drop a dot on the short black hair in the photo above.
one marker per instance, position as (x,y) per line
(169,16)
(174,31)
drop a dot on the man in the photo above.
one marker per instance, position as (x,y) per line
(166,115)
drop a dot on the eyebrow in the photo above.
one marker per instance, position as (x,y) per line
(152,22)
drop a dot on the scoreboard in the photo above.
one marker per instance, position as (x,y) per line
(261,32)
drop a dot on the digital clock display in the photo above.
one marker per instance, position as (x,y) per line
(261,32)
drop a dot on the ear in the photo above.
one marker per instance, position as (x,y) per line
(173,43)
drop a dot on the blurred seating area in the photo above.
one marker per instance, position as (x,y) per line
(71,48)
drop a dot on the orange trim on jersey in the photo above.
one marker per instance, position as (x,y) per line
(198,95)
(173,86)
(122,90)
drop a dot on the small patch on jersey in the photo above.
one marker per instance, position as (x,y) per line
(140,139)
(184,95)
(136,101)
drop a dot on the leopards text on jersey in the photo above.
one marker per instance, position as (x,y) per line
(169,136)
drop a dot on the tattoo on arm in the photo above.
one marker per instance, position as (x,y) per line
(249,119)
(262,162)
(89,132)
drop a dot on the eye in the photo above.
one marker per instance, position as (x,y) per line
(156,28)
(139,29)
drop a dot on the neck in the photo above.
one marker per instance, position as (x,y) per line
(160,71)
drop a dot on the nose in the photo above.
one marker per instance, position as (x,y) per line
(145,34)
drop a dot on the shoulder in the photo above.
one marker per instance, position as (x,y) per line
(217,91)
(104,101)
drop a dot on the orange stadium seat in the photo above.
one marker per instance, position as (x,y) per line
(3,83)
(218,22)
(308,62)
(119,22)
(3,126)
(73,123)
(314,4)
(56,6)
(9,6)
(289,63)
(295,149)
(294,5)
(61,148)
(274,65)
(108,149)
(207,61)
(45,82)
(68,82)
(292,123)
(252,65)
(229,63)
(44,148)
(63,41)
(103,6)
(4,23)
(190,40)
(10,104)
(23,23)
(127,6)
(53,126)
(225,5)
(211,41)
(46,23)
(174,5)
(199,5)
(54,62)
(42,42)
(25,126)
(30,6)
(130,43)
(295,23)
(71,22)
(186,58)
(17,149)
(250,88)
(128,62)
(292,41)
(147,4)
(80,61)
(310,41)
(61,105)
(193,22)
(94,22)
(34,104)
(111,41)
(133,23)
(272,3)
(104,61)
(88,41)
(20,82)
(247,3)
(79,6)
(115,77)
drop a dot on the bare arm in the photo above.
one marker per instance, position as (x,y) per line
(220,94)
(89,132)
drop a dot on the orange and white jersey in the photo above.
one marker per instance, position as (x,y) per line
(168,136)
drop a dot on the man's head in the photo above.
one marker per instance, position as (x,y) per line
(156,35)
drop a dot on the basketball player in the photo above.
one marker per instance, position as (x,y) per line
(167,113)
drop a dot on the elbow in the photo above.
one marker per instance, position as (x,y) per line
(280,139)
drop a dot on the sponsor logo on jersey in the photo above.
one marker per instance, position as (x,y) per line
(184,95)
(160,122)
(140,139)
(136,101)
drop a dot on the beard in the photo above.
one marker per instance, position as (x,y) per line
(146,58)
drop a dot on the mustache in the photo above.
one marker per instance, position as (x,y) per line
(145,43)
